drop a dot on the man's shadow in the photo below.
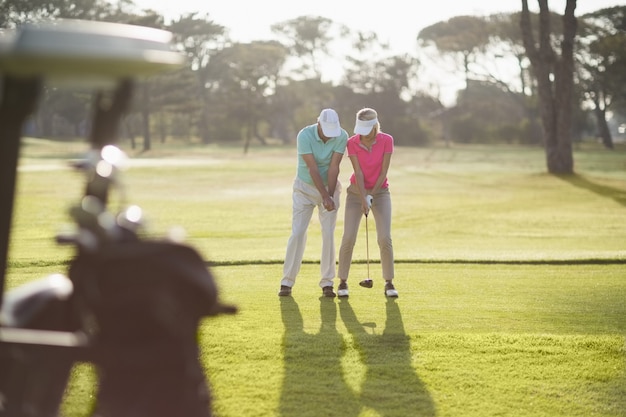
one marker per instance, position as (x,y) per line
(313,384)
(392,386)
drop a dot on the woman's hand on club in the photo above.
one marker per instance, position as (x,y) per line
(366,204)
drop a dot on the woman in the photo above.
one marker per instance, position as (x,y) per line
(370,152)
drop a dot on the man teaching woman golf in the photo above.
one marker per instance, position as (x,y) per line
(369,150)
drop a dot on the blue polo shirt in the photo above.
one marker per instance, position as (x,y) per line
(309,142)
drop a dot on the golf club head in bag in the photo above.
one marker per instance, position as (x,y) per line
(40,340)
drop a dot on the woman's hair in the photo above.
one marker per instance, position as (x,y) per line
(368,114)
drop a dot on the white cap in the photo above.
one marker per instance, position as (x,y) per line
(364,127)
(329,120)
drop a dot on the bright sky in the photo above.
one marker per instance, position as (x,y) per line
(395,21)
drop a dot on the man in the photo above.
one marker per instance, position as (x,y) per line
(320,149)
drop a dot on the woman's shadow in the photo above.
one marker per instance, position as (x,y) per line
(392,386)
(313,384)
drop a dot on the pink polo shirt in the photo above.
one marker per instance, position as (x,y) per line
(370,161)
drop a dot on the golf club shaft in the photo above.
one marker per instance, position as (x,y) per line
(367,248)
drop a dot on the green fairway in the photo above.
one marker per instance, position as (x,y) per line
(460,341)
(512,282)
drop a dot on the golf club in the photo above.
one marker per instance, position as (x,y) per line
(367,283)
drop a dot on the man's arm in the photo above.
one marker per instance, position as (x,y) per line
(311,164)
(333,172)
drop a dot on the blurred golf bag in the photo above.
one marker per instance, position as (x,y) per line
(147,299)
(139,303)
(130,306)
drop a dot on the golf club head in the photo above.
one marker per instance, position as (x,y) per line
(366,283)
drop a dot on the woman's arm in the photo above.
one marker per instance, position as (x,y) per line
(360,182)
(383,173)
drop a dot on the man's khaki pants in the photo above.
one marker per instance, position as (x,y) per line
(305,199)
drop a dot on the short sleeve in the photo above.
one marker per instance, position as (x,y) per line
(388,144)
(304,143)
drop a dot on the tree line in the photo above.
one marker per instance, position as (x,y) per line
(570,77)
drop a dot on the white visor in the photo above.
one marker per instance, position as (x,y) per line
(364,127)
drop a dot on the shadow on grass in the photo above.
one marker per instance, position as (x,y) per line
(391,386)
(616,194)
(313,383)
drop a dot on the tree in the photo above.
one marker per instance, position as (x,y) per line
(506,40)
(461,36)
(365,67)
(15,12)
(308,38)
(247,74)
(383,81)
(603,64)
(144,98)
(71,106)
(555,79)
(199,38)
(486,101)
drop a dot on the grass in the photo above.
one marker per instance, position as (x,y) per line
(512,282)
(461,340)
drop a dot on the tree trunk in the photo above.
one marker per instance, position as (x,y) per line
(203,121)
(603,127)
(555,80)
(130,131)
(145,117)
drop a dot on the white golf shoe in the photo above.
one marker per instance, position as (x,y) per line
(342,290)
(390,290)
